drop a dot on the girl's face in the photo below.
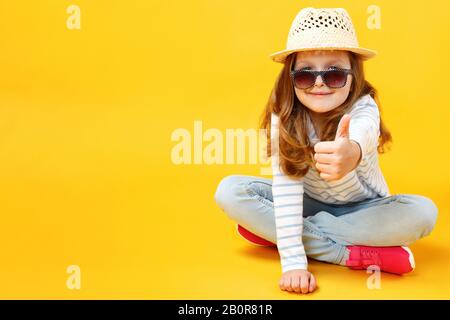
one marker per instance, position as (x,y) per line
(320,98)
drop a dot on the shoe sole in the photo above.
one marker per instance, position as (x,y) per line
(249,241)
(411,257)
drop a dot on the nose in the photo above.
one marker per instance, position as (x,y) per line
(319,81)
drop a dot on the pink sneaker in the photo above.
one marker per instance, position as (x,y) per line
(253,238)
(396,260)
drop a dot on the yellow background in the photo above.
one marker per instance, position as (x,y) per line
(86,118)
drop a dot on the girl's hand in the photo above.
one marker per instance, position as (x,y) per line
(335,159)
(298,280)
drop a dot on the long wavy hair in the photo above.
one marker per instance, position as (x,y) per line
(295,150)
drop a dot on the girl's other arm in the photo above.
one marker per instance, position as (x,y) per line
(288,208)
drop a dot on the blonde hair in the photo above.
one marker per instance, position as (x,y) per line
(295,149)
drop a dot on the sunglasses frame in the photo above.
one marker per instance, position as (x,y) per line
(293,73)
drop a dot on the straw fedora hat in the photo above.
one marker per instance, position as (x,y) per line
(322,29)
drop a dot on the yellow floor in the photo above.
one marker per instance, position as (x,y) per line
(146,244)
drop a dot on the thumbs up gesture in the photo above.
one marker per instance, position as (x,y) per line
(335,159)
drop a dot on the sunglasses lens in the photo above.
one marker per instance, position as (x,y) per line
(304,79)
(335,79)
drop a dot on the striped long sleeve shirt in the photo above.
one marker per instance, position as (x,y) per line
(366,181)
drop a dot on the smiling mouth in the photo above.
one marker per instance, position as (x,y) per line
(320,93)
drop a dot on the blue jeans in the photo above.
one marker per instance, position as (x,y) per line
(396,220)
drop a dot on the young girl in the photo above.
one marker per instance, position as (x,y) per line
(327,199)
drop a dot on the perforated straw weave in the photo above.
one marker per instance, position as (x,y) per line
(322,29)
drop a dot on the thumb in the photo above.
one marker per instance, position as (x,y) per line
(343,127)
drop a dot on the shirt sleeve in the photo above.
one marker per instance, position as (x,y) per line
(365,125)
(288,207)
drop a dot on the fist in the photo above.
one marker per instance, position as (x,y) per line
(298,280)
(335,159)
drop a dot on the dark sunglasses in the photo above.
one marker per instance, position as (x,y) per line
(333,78)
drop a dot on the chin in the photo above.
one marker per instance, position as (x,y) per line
(319,107)
(320,104)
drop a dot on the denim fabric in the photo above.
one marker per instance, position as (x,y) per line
(396,220)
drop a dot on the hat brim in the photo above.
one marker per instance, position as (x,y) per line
(365,54)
